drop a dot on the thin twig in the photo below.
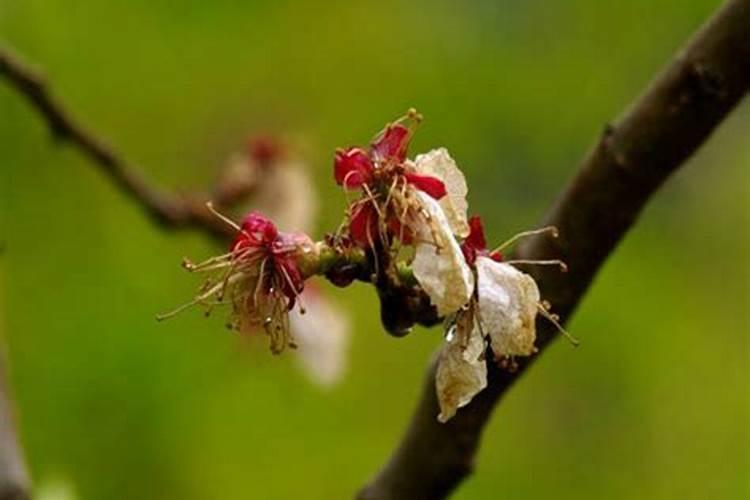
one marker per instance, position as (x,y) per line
(672,119)
(167,210)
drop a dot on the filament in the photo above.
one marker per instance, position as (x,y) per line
(552,318)
(552,262)
(210,207)
(549,229)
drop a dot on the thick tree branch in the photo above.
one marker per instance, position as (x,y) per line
(14,480)
(674,116)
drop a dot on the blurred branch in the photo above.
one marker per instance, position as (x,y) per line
(169,211)
(14,480)
(670,121)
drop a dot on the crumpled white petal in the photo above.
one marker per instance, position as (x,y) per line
(442,271)
(438,163)
(461,373)
(508,304)
(322,336)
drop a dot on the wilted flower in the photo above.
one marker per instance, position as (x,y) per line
(420,203)
(502,309)
(259,276)
(462,370)
(388,209)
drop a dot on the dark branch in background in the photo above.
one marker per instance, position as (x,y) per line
(167,210)
(674,116)
(14,480)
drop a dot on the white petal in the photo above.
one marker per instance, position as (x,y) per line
(508,302)
(322,336)
(438,163)
(461,374)
(442,271)
(286,194)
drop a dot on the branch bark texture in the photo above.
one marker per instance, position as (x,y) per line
(634,155)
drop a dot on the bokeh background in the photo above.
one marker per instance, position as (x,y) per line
(653,405)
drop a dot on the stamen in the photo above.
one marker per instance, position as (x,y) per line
(372,245)
(191,266)
(555,320)
(290,282)
(210,207)
(372,198)
(549,229)
(260,282)
(197,300)
(390,191)
(402,218)
(553,262)
(413,114)
(347,176)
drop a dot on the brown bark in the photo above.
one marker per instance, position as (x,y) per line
(633,157)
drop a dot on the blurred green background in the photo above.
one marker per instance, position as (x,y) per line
(653,405)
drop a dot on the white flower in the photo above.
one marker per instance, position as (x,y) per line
(503,309)
(287,195)
(322,336)
(438,163)
(439,265)
(462,370)
(508,301)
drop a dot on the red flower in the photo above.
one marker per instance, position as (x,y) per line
(260,239)
(352,168)
(379,171)
(476,244)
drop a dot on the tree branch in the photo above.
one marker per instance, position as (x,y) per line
(167,210)
(672,119)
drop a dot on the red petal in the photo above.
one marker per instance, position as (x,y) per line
(476,234)
(259,228)
(430,185)
(241,241)
(475,243)
(496,256)
(363,225)
(352,167)
(292,286)
(392,143)
(264,149)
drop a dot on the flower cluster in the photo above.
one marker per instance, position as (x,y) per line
(421,203)
(407,213)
